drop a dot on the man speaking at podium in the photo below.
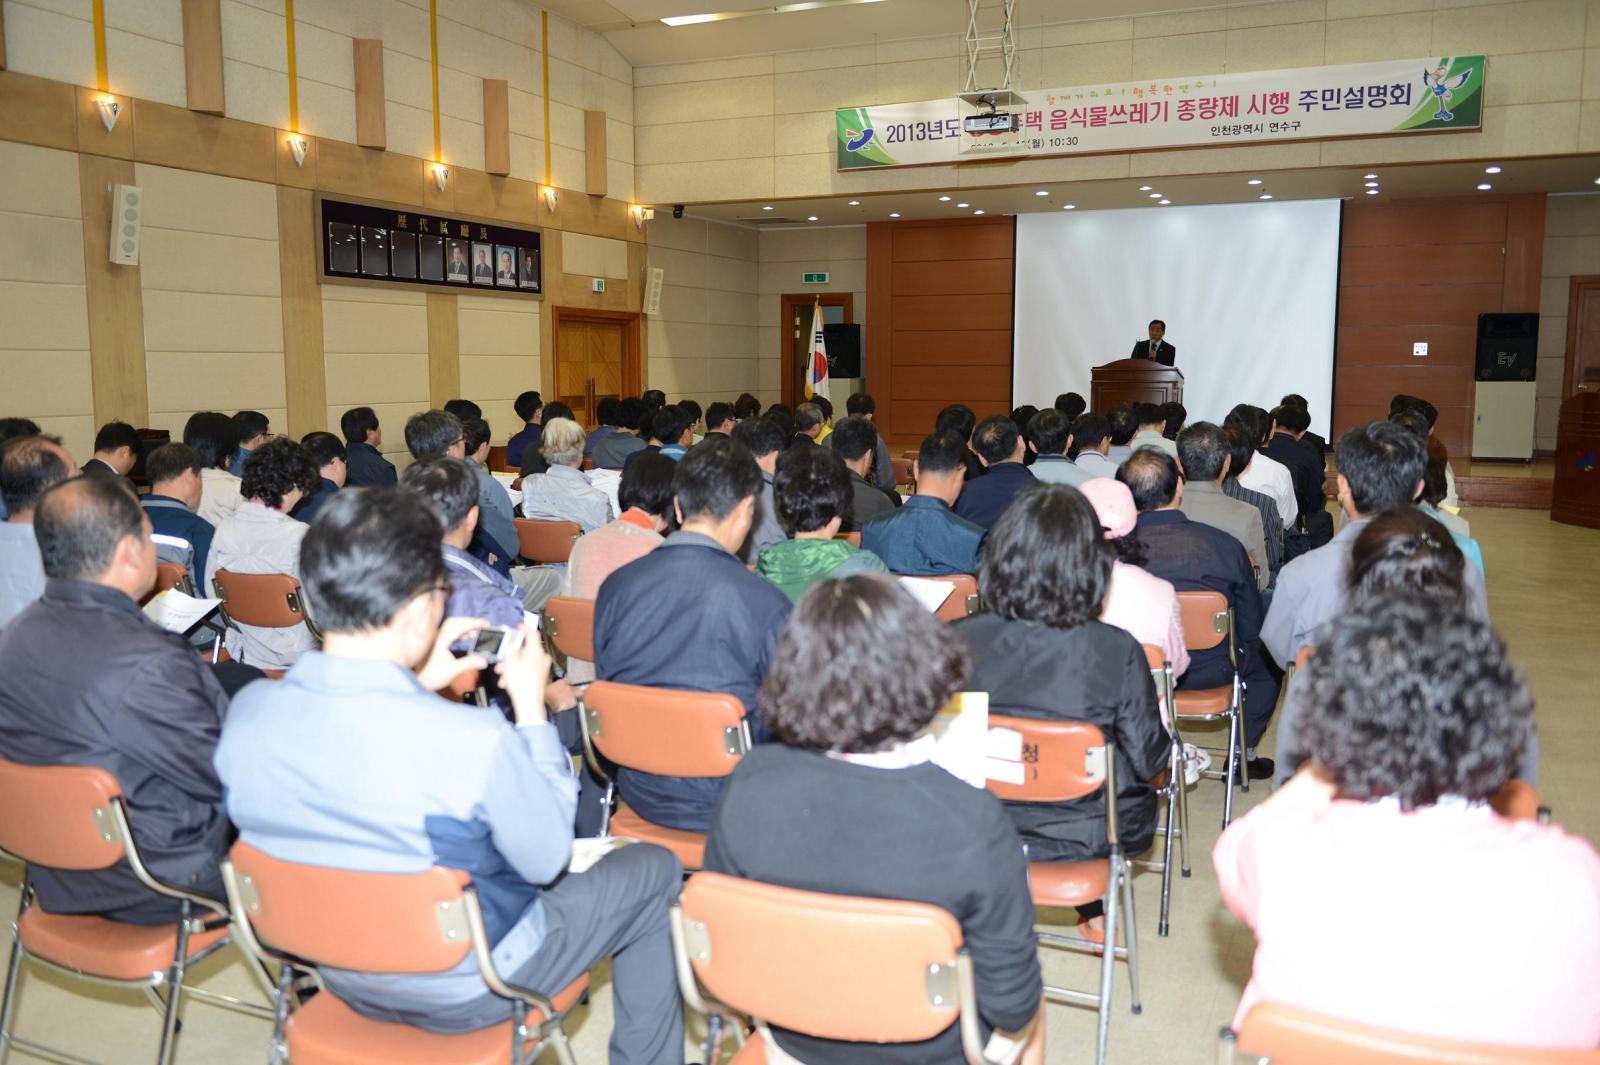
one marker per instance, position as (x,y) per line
(1155,348)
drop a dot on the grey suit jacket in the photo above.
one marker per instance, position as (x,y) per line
(1205,503)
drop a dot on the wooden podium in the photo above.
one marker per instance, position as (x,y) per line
(1133,381)
(1576,498)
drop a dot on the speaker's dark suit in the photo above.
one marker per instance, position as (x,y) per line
(1165,353)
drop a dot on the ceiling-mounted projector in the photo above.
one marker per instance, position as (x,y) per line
(991,122)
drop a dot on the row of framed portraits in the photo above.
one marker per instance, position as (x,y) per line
(378,243)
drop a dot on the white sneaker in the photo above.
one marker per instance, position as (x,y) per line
(1195,762)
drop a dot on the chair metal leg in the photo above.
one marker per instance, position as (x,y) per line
(278,1047)
(13,974)
(180,958)
(1132,937)
(713,1037)
(1166,860)
(1234,768)
(1183,828)
(1108,960)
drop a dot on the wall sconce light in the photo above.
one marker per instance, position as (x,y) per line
(641,215)
(549,194)
(441,175)
(298,145)
(110,109)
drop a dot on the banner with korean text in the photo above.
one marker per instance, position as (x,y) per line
(1427,95)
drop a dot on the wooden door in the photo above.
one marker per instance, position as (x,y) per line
(589,365)
(1583,336)
(797,311)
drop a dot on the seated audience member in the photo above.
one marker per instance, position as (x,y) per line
(845,804)
(476,590)
(117,448)
(925,537)
(1050,437)
(1430,417)
(613,450)
(1265,473)
(1091,435)
(765,440)
(1434,488)
(1415,717)
(365,465)
(261,537)
(215,439)
(746,407)
(855,440)
(494,502)
(959,420)
(468,791)
(862,405)
(332,473)
(999,446)
(1195,557)
(670,431)
(1137,602)
(562,492)
(1203,460)
(1152,419)
(10,429)
(692,409)
(463,409)
(812,490)
(1381,466)
(29,466)
(689,616)
(720,420)
(654,399)
(1175,414)
(826,406)
(607,412)
(1040,651)
(1072,405)
(808,424)
(1121,424)
(1316,444)
(556,409)
(1289,425)
(1240,455)
(530,408)
(89,680)
(1020,417)
(254,431)
(180,535)
(783,416)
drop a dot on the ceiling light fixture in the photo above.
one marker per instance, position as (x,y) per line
(1372,184)
(1253,181)
(1370,177)
(978,211)
(894,214)
(1042,192)
(768,207)
(1155,195)
(1144,188)
(778,9)
(1266,196)
(963,205)
(1165,202)
(944,199)
(1484,186)
(811,218)
(1493,169)
(854,203)
(1372,192)
(1069,207)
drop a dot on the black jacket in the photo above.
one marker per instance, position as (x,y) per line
(1096,674)
(1306,470)
(1166,354)
(88,680)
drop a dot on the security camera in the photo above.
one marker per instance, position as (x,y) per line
(677,210)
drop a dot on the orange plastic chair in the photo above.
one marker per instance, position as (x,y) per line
(497,460)
(1284,1035)
(568,626)
(902,471)
(1063,761)
(308,915)
(265,600)
(963,598)
(853,538)
(75,818)
(546,542)
(467,683)
(831,966)
(1175,794)
(1207,623)
(670,733)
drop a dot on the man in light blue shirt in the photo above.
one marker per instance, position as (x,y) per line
(1050,436)
(352,762)
(1092,435)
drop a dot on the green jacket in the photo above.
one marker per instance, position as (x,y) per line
(795,565)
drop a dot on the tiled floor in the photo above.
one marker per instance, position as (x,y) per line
(1543,582)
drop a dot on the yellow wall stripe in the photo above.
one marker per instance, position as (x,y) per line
(544,52)
(433,55)
(294,78)
(102,79)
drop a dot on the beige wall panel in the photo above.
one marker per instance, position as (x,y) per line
(51,44)
(47,384)
(700,100)
(366,379)
(206,322)
(345,168)
(43,317)
(185,261)
(146,68)
(205,203)
(731,180)
(174,137)
(1284,13)
(305,376)
(1528,26)
(1380,36)
(256,94)
(202,55)
(1182,23)
(40,248)
(681,142)
(1536,77)
(37,111)
(495,331)
(374,327)
(594,256)
(185,381)
(1273,47)
(444,338)
(711,70)
(367,60)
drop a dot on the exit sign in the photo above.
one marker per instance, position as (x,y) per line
(820,278)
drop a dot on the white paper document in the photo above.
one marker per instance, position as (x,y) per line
(930,593)
(177,612)
(505,480)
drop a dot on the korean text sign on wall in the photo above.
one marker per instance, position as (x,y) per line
(1361,100)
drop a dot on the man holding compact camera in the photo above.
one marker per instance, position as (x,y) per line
(351,761)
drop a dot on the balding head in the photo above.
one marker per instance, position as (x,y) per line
(30,466)
(1152,477)
(93,529)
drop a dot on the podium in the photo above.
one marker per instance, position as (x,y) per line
(1576,495)
(1129,381)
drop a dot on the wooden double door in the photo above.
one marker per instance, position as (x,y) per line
(596,357)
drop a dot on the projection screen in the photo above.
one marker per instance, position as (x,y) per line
(1248,293)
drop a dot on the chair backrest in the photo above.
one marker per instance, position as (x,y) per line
(1303,659)
(832,966)
(673,733)
(370,922)
(963,598)
(169,575)
(569,623)
(497,460)
(1206,619)
(1517,800)
(1061,760)
(546,541)
(60,816)
(465,683)
(266,600)
(850,538)
(902,470)
(1285,1035)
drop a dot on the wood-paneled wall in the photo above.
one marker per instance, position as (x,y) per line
(939,320)
(1424,270)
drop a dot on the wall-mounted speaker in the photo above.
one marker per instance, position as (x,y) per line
(843,341)
(127,207)
(1508,347)
(652,290)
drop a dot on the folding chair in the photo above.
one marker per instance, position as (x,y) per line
(468,683)
(75,818)
(1174,794)
(171,575)
(853,538)
(568,628)
(546,542)
(303,916)
(1207,622)
(265,600)
(963,598)
(670,733)
(1274,1034)
(1071,760)
(902,472)
(832,966)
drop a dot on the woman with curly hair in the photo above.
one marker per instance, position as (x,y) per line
(1414,720)
(849,803)
(261,537)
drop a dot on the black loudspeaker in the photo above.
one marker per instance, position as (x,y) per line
(1508,347)
(844,349)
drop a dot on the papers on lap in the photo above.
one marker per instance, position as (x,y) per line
(930,593)
(177,612)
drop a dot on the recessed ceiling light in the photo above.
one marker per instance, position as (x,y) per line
(1165,202)
(768,207)
(944,199)
(1074,207)
(688,20)
(1484,186)
(855,203)
(1597,181)
(1253,181)
(1266,196)
(1372,184)
(1369,177)
(1042,192)
(1372,192)
(1491,170)
(963,205)
(1144,188)
(1155,195)
(811,218)
(978,211)
(894,214)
